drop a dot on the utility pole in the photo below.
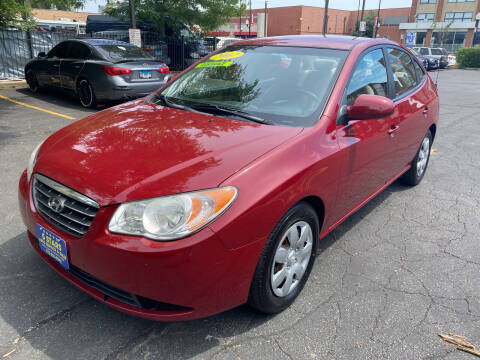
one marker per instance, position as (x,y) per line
(133,22)
(377,25)
(363,10)
(325,18)
(240,19)
(250,19)
(265,21)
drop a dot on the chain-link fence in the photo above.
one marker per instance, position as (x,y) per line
(18,47)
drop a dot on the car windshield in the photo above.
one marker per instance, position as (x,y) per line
(279,84)
(122,52)
(415,52)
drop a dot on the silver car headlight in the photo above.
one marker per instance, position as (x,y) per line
(33,160)
(171,217)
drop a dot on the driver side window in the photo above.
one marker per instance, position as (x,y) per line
(369,76)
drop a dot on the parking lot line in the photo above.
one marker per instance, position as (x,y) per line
(37,108)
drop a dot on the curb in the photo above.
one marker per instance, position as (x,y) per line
(12,84)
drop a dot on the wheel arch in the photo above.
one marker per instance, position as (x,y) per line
(318,205)
(433,130)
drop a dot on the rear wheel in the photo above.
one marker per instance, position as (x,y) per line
(32,82)
(86,95)
(286,260)
(419,164)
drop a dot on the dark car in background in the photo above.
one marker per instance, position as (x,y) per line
(429,62)
(97,70)
(438,53)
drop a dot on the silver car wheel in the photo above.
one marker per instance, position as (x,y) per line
(423,154)
(291,258)
(85,93)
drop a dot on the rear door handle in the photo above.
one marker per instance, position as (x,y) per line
(425,111)
(392,130)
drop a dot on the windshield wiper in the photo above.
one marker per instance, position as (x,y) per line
(175,105)
(231,111)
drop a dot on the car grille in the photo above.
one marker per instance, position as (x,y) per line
(63,207)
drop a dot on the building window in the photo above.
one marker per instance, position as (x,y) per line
(420,39)
(458,16)
(423,17)
(428,1)
(457,1)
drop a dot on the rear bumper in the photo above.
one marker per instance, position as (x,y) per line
(116,88)
(167,281)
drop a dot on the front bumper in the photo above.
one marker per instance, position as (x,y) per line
(168,281)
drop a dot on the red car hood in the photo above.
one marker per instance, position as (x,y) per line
(137,150)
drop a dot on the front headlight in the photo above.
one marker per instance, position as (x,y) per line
(33,160)
(171,217)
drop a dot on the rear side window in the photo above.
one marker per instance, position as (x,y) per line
(78,51)
(423,51)
(437,52)
(60,50)
(369,76)
(403,71)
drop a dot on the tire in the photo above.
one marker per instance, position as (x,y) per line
(86,95)
(420,162)
(268,294)
(32,81)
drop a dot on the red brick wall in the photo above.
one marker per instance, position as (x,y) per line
(296,20)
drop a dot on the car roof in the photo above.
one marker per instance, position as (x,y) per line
(95,42)
(339,42)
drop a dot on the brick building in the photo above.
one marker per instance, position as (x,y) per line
(444,23)
(304,20)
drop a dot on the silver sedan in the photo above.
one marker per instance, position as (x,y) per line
(97,70)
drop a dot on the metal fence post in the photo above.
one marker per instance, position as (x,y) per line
(29,43)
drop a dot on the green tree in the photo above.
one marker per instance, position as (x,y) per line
(369,18)
(18,13)
(208,14)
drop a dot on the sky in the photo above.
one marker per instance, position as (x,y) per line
(92,5)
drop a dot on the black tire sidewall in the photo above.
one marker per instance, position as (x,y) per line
(92,94)
(32,83)
(411,177)
(265,300)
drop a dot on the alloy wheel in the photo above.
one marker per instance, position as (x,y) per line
(291,258)
(423,154)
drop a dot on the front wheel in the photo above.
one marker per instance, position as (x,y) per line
(419,164)
(286,260)
(86,95)
(32,81)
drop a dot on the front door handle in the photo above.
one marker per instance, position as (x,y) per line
(392,130)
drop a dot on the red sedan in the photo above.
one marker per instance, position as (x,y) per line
(215,190)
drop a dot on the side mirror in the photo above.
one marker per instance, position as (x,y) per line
(42,54)
(370,107)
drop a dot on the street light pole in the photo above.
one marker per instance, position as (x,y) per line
(250,19)
(363,10)
(325,18)
(133,22)
(240,18)
(377,25)
(265,21)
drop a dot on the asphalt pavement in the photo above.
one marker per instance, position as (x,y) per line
(401,270)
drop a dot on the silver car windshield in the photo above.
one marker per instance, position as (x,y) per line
(282,85)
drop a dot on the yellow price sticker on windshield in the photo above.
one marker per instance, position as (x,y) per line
(214,64)
(227,55)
